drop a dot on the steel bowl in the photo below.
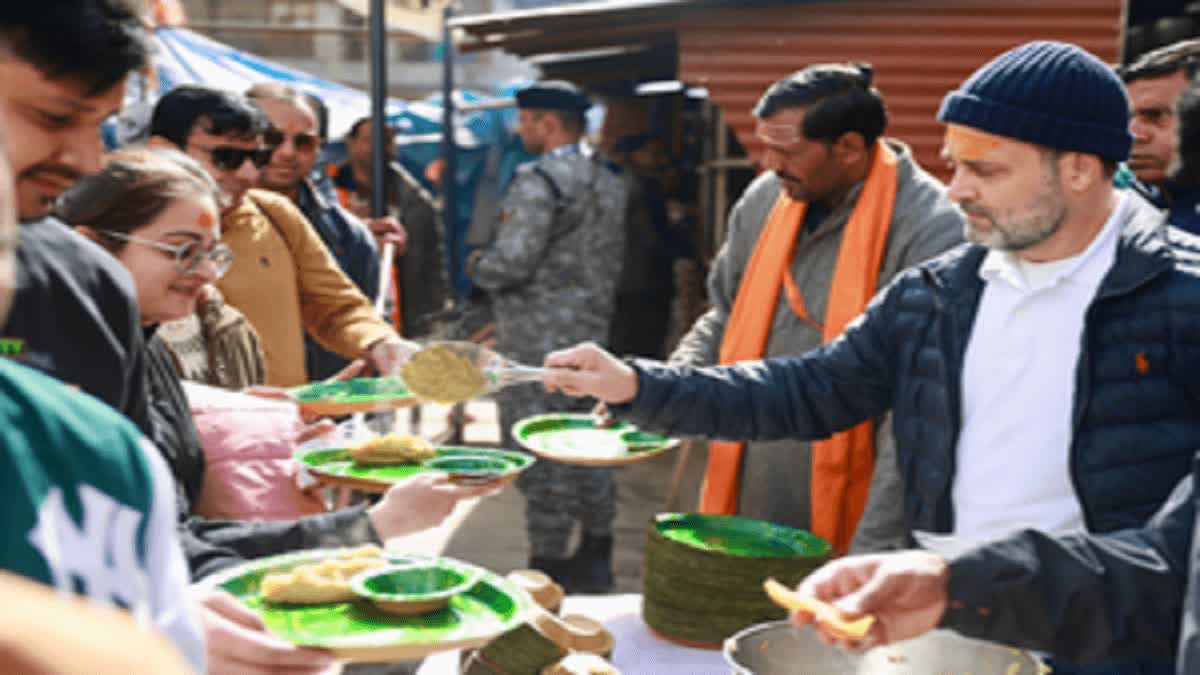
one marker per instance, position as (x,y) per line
(779,648)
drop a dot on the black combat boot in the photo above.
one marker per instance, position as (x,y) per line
(558,569)
(591,566)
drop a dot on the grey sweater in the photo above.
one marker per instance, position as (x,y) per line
(775,475)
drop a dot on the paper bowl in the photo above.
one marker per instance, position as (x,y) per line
(412,589)
(469,468)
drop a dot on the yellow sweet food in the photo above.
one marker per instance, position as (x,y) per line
(322,582)
(824,613)
(438,373)
(392,450)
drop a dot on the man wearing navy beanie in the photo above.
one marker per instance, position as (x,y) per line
(1070,300)
(1046,93)
(1043,376)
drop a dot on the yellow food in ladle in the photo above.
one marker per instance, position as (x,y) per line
(437,373)
(825,614)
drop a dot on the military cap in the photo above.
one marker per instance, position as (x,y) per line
(553,95)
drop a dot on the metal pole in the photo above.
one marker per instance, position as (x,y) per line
(450,154)
(380,161)
(379,158)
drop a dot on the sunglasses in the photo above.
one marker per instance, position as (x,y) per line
(189,256)
(230,158)
(302,142)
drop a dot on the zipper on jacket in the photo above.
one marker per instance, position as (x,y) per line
(953,396)
(1079,404)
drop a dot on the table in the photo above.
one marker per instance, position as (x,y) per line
(637,652)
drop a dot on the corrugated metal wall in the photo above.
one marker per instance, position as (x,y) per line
(920,48)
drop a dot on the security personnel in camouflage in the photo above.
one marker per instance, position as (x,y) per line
(551,270)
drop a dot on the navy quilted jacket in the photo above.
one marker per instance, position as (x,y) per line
(1136,415)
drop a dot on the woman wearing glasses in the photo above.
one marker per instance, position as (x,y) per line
(157,212)
(174,257)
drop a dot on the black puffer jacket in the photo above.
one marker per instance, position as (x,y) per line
(1085,597)
(1136,417)
(75,310)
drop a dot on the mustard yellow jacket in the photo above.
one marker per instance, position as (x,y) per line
(284,281)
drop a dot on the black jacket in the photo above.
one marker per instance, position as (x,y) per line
(74,308)
(1085,596)
(212,545)
(1136,415)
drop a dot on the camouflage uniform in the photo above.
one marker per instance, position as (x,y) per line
(551,270)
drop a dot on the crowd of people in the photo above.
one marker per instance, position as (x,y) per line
(1020,405)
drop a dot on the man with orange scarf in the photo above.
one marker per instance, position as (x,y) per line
(840,212)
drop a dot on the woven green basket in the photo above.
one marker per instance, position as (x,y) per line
(703,574)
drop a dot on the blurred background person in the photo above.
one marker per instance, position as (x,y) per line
(550,268)
(644,293)
(420,275)
(295,145)
(1154,83)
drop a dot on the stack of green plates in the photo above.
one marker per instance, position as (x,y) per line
(704,574)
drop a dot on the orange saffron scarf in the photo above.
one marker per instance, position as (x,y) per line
(842,464)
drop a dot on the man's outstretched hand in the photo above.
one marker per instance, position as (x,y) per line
(906,592)
(588,370)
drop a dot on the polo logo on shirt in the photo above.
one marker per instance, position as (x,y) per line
(98,559)
(1143,365)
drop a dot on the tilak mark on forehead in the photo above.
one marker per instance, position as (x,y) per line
(970,144)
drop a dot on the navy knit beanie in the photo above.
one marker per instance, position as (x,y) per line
(1046,93)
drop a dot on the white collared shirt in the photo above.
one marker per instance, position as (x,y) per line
(1018,386)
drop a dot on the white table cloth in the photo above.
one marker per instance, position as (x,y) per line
(637,652)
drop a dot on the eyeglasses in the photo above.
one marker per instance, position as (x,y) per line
(189,256)
(231,158)
(302,142)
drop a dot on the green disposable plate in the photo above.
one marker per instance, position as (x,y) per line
(358,632)
(574,438)
(334,466)
(344,397)
(744,537)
